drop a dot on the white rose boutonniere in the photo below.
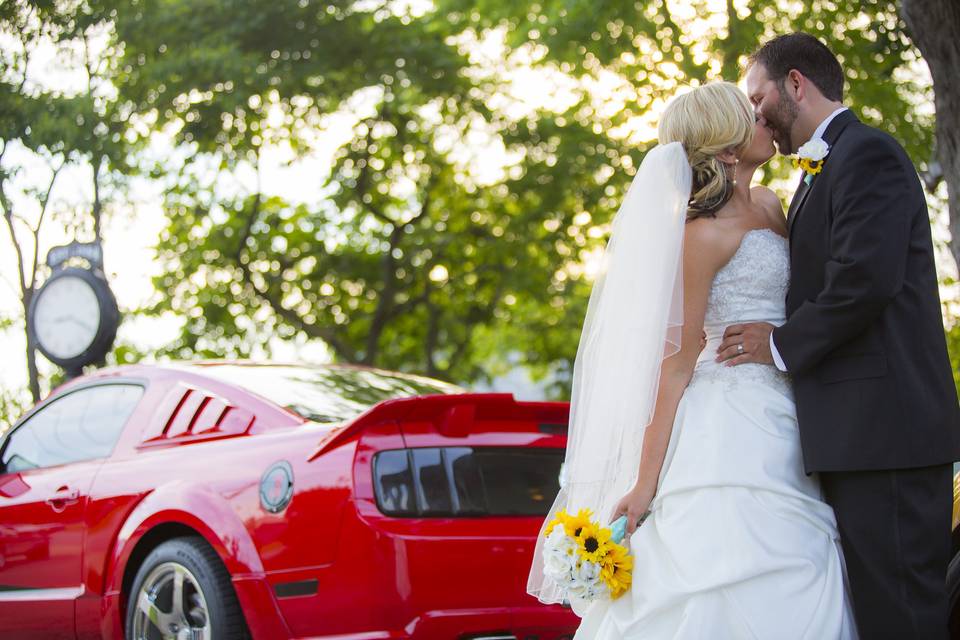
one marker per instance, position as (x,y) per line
(811,156)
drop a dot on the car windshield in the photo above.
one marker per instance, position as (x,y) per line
(329,393)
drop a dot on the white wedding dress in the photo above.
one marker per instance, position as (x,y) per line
(739,544)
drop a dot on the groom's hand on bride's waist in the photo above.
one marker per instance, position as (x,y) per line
(749,342)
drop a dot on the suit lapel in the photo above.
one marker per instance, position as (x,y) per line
(833,131)
(798,197)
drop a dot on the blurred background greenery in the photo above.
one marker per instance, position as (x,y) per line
(451,167)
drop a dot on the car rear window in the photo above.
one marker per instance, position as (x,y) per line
(328,393)
(467,481)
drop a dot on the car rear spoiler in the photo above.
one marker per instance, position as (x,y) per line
(452,414)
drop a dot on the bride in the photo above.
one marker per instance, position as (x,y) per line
(730,539)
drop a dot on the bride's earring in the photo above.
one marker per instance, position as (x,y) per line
(736,163)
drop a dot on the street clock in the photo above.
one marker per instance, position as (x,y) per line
(73,317)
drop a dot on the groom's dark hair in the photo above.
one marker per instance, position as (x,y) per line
(806,54)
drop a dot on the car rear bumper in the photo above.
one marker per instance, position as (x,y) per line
(536,622)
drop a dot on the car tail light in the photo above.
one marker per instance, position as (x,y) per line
(393,482)
(466,481)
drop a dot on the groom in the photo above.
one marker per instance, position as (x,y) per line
(876,403)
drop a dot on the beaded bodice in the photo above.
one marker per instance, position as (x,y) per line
(751,287)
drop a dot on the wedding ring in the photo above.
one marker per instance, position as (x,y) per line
(740,348)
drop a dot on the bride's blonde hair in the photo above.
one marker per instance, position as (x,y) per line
(708,120)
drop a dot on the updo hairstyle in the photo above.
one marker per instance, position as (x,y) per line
(708,120)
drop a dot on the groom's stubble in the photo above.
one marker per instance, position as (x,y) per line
(782,119)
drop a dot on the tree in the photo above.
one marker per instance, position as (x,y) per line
(407,256)
(60,130)
(935,28)
(655,47)
(411,254)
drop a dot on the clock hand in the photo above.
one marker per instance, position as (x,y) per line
(74,320)
(82,324)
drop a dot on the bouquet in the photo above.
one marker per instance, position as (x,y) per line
(586,559)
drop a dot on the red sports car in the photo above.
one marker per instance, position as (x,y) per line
(215,500)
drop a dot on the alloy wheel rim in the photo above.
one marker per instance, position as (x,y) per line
(170,606)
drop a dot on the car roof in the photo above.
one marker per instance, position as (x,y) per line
(201,367)
(297,387)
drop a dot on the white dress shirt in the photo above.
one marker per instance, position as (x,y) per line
(818,133)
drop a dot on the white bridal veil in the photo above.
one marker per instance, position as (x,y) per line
(633,322)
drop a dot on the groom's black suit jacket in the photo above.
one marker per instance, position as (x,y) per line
(864,338)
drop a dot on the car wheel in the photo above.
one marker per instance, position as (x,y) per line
(183,591)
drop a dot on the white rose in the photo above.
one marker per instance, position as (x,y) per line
(580,587)
(556,567)
(588,572)
(578,591)
(815,149)
(586,583)
(558,562)
(599,591)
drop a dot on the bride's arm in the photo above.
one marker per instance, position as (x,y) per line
(705,251)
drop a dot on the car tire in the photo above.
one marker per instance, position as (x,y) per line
(204,602)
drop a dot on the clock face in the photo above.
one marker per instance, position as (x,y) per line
(66,317)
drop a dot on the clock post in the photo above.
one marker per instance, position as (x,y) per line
(73,317)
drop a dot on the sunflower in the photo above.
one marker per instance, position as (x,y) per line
(576,523)
(616,571)
(594,542)
(559,519)
(812,167)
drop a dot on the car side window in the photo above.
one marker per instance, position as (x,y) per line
(82,425)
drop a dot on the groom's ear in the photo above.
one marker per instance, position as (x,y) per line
(797,85)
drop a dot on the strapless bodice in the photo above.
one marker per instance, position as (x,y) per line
(751,287)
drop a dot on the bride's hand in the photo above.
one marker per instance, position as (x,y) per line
(635,505)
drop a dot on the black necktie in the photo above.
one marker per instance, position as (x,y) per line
(797,199)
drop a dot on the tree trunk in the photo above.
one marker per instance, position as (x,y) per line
(935,28)
(32,373)
(97,163)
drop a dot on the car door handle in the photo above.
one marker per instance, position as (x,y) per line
(64,496)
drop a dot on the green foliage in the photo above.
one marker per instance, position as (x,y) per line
(413,258)
(125,352)
(659,45)
(410,254)
(953,347)
(13,404)
(47,120)
(59,126)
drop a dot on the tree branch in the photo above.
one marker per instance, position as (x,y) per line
(26,62)
(486,312)
(36,230)
(270,297)
(291,317)
(8,216)
(96,159)
(363,183)
(385,305)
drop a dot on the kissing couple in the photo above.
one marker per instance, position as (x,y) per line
(792,479)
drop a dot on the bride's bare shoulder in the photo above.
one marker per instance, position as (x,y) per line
(767,198)
(771,204)
(709,243)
